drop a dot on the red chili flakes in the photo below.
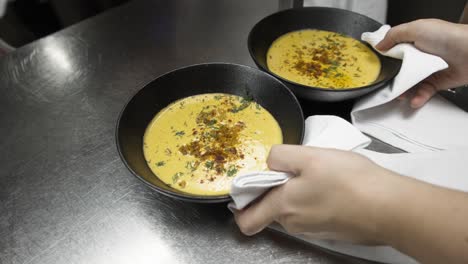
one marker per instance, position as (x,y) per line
(325,58)
(218,142)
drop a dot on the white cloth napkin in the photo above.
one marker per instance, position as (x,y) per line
(395,122)
(320,131)
(338,133)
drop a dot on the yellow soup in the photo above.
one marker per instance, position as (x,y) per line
(323,59)
(199,143)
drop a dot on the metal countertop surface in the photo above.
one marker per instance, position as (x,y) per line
(65,195)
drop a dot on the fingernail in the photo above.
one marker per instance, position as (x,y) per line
(379,46)
(415,105)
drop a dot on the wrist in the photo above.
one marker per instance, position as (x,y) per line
(395,208)
(456,49)
(370,204)
(384,202)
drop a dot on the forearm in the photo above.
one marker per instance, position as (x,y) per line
(424,221)
(456,49)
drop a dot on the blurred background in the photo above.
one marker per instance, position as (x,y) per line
(23,21)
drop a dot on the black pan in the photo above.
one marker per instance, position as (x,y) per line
(198,79)
(342,21)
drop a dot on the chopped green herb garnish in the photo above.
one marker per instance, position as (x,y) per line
(211,134)
(191,165)
(338,74)
(209,164)
(211,122)
(232,170)
(167,151)
(218,97)
(180,133)
(244,104)
(176,177)
(160,163)
(334,64)
(248,97)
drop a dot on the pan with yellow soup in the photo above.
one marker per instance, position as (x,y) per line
(323,59)
(200,143)
(189,132)
(316,52)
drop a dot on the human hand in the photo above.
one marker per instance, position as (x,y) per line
(334,195)
(342,195)
(444,39)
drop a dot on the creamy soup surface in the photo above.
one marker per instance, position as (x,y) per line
(199,143)
(323,59)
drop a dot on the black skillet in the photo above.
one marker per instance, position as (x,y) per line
(198,79)
(342,21)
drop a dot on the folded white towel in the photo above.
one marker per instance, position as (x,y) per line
(320,131)
(443,168)
(328,131)
(395,122)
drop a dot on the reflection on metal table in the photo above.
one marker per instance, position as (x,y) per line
(65,195)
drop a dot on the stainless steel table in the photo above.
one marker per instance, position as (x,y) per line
(65,196)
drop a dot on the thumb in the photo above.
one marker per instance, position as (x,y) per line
(260,214)
(289,158)
(401,33)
